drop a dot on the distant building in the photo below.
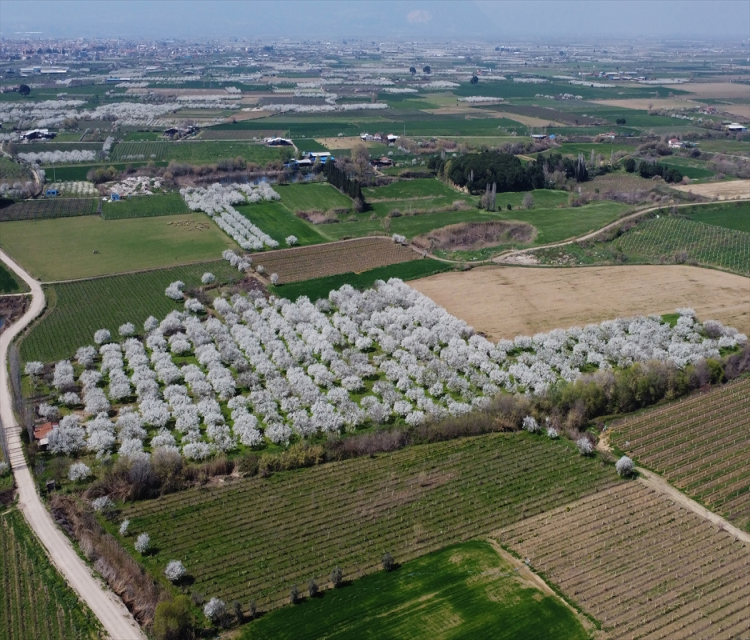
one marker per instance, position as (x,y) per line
(51,193)
(391,138)
(385,161)
(41,433)
(38,134)
(539,136)
(736,127)
(674,143)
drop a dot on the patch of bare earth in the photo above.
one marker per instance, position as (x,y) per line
(649,103)
(466,236)
(720,190)
(318,261)
(504,302)
(641,563)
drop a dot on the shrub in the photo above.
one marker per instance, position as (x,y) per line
(143,543)
(4,469)
(173,620)
(337,577)
(214,609)
(584,446)
(388,562)
(208,278)
(103,504)
(625,467)
(294,594)
(312,588)
(175,570)
(531,425)
(79,471)
(124,527)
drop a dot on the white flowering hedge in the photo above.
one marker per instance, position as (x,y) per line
(59,157)
(217,199)
(268,369)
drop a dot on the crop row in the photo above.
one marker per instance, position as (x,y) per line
(35,602)
(700,444)
(256,537)
(78,309)
(641,564)
(296,265)
(684,240)
(56,208)
(143,150)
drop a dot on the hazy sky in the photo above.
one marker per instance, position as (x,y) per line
(377,20)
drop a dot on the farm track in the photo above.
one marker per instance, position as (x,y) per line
(333,258)
(110,610)
(700,445)
(637,559)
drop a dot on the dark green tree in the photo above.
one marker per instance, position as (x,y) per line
(474,80)
(412,70)
(426,69)
(24,90)
(173,620)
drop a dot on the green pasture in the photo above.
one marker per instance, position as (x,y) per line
(253,538)
(309,144)
(730,215)
(194,152)
(465,591)
(320,287)
(9,283)
(78,172)
(419,188)
(13,171)
(75,310)
(279,223)
(147,206)
(86,246)
(305,197)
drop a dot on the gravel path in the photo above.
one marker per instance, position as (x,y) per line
(110,610)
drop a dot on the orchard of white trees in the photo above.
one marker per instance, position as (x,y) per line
(268,369)
(217,199)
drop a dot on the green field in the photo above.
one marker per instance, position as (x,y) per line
(78,172)
(9,283)
(193,152)
(279,223)
(35,601)
(706,244)
(13,171)
(253,538)
(305,197)
(161,204)
(320,287)
(734,215)
(75,310)
(65,249)
(406,189)
(464,591)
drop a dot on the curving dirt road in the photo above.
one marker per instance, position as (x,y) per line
(106,606)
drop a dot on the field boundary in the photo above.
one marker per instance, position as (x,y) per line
(657,483)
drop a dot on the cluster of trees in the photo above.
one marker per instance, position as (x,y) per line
(648,169)
(343,182)
(477,171)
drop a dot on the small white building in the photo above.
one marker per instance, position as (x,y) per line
(736,127)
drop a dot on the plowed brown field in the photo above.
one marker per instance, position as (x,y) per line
(504,302)
(642,565)
(318,261)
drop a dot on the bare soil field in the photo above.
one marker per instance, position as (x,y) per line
(466,236)
(649,103)
(642,565)
(721,190)
(344,142)
(742,110)
(716,89)
(504,302)
(529,121)
(318,261)
(699,445)
(618,182)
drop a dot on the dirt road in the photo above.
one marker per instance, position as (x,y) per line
(110,610)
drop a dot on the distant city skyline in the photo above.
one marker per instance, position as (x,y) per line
(491,20)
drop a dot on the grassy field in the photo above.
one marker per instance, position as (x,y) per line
(35,601)
(78,172)
(42,209)
(13,171)
(699,445)
(304,197)
(320,287)
(464,591)
(8,281)
(279,223)
(254,538)
(196,153)
(88,246)
(75,310)
(735,215)
(162,204)
(420,188)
